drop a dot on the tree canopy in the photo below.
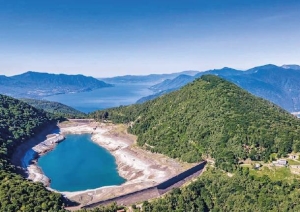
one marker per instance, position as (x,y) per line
(55,108)
(18,122)
(210,117)
(215,191)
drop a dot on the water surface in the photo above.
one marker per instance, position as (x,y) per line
(120,94)
(78,164)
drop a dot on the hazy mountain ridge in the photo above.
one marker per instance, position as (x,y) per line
(182,80)
(277,84)
(146,79)
(293,66)
(37,85)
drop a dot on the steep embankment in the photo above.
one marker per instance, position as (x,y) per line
(18,122)
(210,117)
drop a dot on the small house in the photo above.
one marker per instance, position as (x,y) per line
(280,162)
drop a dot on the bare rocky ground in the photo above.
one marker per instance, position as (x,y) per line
(142,169)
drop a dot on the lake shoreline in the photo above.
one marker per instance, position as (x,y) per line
(26,155)
(140,168)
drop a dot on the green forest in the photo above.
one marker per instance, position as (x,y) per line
(207,118)
(18,122)
(55,108)
(215,191)
(210,117)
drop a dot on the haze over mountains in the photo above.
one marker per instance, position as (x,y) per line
(38,85)
(279,85)
(146,79)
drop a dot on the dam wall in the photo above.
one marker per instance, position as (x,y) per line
(155,191)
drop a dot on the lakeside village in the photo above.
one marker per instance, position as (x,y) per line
(287,168)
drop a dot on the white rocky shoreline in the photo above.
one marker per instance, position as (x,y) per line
(34,172)
(140,168)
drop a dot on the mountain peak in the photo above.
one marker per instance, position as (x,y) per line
(226,68)
(187,122)
(267,66)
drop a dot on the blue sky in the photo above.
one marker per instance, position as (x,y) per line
(117,37)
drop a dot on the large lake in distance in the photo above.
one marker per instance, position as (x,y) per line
(120,94)
(78,164)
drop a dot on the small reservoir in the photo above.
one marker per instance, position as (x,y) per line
(78,164)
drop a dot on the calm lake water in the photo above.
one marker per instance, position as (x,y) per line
(78,164)
(120,94)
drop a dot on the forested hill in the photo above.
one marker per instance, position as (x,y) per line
(55,108)
(279,85)
(18,122)
(210,117)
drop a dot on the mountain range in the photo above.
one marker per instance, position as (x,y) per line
(279,85)
(146,79)
(38,85)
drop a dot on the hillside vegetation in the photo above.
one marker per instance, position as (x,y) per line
(55,108)
(215,191)
(18,122)
(279,85)
(210,117)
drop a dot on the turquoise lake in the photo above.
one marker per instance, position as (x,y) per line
(78,164)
